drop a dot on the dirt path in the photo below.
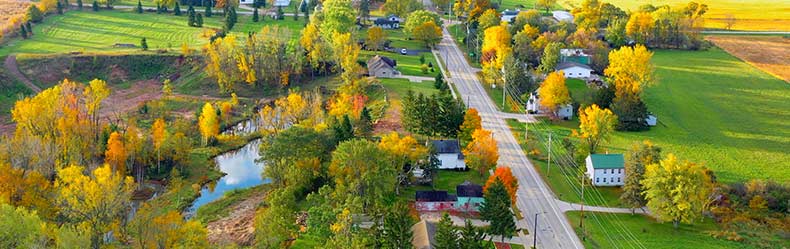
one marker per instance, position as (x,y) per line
(11,66)
(238,227)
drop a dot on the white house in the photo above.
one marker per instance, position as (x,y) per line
(533,106)
(449,153)
(509,15)
(606,169)
(562,16)
(574,70)
(390,22)
(281,3)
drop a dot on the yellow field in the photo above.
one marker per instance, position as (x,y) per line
(768,53)
(771,15)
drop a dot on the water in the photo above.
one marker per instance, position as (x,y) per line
(239,166)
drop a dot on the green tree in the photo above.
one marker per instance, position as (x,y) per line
(401,7)
(639,157)
(20,228)
(95,6)
(397,226)
(551,56)
(139,6)
(363,10)
(199,20)
(361,176)
(339,18)
(472,237)
(23,31)
(79,4)
(676,190)
(34,13)
(59,7)
(631,112)
(615,32)
(439,84)
(417,18)
(230,20)
(275,224)
(191,19)
(281,152)
(496,210)
(446,234)
(177,9)
(364,125)
(209,12)
(255,17)
(343,130)
(144,44)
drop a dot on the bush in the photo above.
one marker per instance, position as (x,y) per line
(34,14)
(144,44)
(424,68)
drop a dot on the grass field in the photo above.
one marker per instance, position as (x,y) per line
(715,110)
(99,31)
(604,233)
(523,4)
(749,14)
(401,86)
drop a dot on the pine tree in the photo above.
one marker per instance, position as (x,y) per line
(177,9)
(439,84)
(79,4)
(144,44)
(208,10)
(496,210)
(199,20)
(158,9)
(446,234)
(365,123)
(280,13)
(59,7)
(230,20)
(255,17)
(95,6)
(343,130)
(29,27)
(637,160)
(397,227)
(139,6)
(471,236)
(23,31)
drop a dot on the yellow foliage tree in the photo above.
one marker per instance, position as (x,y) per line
(553,92)
(676,190)
(402,150)
(429,33)
(153,228)
(630,69)
(208,122)
(222,57)
(481,154)
(115,156)
(496,49)
(595,126)
(639,26)
(472,122)
(376,38)
(94,202)
(159,135)
(95,93)
(26,189)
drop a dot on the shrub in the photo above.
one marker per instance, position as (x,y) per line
(144,44)
(34,14)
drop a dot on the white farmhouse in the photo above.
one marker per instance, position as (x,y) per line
(562,16)
(573,70)
(533,106)
(449,153)
(606,169)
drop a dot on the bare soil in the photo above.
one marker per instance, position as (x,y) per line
(238,227)
(390,121)
(122,101)
(769,53)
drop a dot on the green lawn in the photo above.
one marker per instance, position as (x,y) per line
(445,180)
(401,86)
(78,31)
(458,32)
(715,110)
(10,92)
(522,4)
(648,232)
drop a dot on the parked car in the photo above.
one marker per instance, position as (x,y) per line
(404,51)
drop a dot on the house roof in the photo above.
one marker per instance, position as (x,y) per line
(607,161)
(469,189)
(423,234)
(381,62)
(434,196)
(282,3)
(570,64)
(446,146)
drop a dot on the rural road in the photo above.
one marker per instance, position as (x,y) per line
(534,196)
(11,66)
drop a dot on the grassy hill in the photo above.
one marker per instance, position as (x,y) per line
(88,31)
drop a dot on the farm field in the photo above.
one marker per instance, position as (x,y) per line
(768,53)
(715,110)
(749,14)
(647,231)
(78,31)
(10,8)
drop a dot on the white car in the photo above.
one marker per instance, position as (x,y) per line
(404,51)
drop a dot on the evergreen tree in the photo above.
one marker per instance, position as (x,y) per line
(343,130)
(199,20)
(139,6)
(296,13)
(95,6)
(177,9)
(636,162)
(230,20)
(144,44)
(59,7)
(397,227)
(191,16)
(280,13)
(365,123)
(29,27)
(446,234)
(439,83)
(79,4)
(496,210)
(208,10)
(255,17)
(164,9)
(471,237)
(34,14)
(23,31)
(631,113)
(364,10)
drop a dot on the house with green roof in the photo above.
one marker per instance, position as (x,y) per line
(606,169)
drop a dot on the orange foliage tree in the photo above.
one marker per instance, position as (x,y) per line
(115,155)
(505,175)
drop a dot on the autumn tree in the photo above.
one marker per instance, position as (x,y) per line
(472,122)
(496,48)
(267,57)
(489,18)
(339,17)
(630,70)
(153,228)
(505,176)
(546,4)
(496,210)
(472,9)
(588,15)
(481,153)
(95,93)
(221,56)
(402,152)
(595,126)
(429,33)
(419,17)
(640,155)
(401,7)
(159,136)
(96,202)
(208,122)
(21,228)
(553,92)
(115,156)
(26,189)
(359,171)
(375,38)
(639,27)
(676,190)
(317,52)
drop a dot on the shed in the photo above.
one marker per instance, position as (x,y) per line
(470,197)
(382,67)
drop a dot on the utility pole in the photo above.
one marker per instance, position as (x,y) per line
(581,219)
(548,167)
(535,232)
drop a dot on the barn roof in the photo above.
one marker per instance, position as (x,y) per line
(570,64)
(434,196)
(446,146)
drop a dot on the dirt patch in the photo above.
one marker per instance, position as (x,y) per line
(122,101)
(239,226)
(390,121)
(769,53)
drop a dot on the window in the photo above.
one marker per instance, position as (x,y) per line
(597,180)
(618,180)
(612,179)
(604,179)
